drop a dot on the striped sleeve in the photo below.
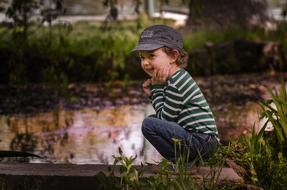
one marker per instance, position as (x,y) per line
(167,102)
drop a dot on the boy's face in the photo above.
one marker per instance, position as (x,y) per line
(154,60)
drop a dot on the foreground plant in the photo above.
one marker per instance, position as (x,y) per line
(263,154)
(275,111)
(129,176)
(166,175)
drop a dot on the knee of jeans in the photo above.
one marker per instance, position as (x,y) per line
(146,125)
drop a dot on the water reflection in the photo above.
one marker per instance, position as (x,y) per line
(89,136)
(83,136)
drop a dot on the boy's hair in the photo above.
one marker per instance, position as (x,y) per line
(182,60)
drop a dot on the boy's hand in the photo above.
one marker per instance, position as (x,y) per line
(161,75)
(146,87)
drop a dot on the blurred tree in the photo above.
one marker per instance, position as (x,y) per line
(3,5)
(51,11)
(137,6)
(113,12)
(221,13)
(21,11)
(284,10)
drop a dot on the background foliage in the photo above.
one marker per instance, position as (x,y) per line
(33,50)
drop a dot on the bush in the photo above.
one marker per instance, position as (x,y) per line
(91,52)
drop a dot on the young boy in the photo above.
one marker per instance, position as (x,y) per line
(182,113)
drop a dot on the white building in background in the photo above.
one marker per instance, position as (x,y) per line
(276,13)
(178,18)
(2,17)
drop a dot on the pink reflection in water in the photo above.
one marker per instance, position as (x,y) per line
(81,137)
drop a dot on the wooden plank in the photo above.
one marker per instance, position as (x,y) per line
(90,170)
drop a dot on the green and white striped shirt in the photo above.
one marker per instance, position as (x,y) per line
(180,100)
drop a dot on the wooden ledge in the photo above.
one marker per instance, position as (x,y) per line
(72,175)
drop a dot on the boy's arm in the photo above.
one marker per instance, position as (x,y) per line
(168,103)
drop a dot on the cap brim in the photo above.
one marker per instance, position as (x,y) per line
(146,47)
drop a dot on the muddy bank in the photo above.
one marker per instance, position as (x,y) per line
(219,90)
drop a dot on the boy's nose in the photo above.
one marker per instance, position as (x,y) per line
(145,62)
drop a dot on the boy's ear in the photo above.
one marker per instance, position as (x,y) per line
(175,55)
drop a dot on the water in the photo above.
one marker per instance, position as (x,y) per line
(84,136)
(94,135)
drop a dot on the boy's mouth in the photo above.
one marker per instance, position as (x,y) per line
(149,71)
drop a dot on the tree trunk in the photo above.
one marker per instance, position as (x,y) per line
(222,13)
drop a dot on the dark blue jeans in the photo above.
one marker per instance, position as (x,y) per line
(164,134)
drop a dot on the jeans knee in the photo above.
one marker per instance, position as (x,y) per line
(146,125)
